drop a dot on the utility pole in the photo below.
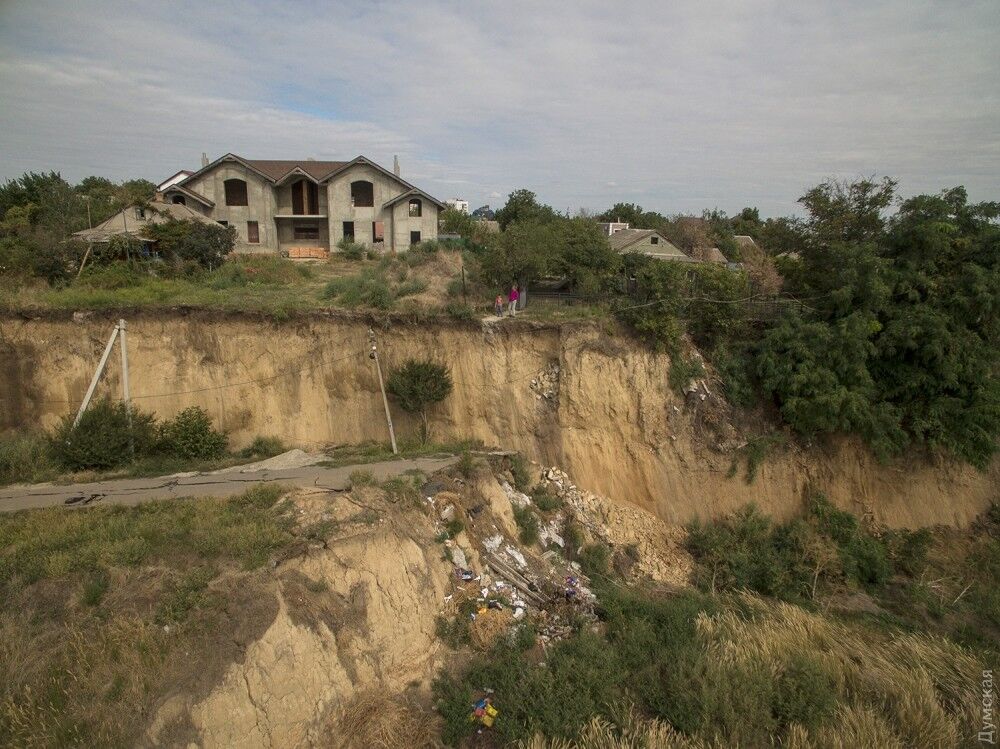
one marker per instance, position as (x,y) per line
(97,376)
(125,394)
(119,330)
(373,354)
(124,347)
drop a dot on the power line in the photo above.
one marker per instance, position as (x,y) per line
(269,378)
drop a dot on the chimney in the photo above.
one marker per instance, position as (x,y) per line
(395,165)
(204,159)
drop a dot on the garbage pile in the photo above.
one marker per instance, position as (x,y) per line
(498,583)
(656,548)
(545,385)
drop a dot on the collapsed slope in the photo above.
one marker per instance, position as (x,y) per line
(573,395)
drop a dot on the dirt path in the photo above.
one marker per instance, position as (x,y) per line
(134,491)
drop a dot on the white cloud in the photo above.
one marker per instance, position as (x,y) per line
(683,106)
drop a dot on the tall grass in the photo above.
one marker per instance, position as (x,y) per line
(736,671)
(26,458)
(101,608)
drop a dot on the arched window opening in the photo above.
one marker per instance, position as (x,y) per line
(362,194)
(178,200)
(236,192)
(305,198)
(416,208)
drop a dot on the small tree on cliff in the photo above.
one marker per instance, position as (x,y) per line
(418,385)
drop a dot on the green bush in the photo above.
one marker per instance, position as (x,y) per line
(864,558)
(545,501)
(572,537)
(595,559)
(519,470)
(421,254)
(26,458)
(788,560)
(411,287)
(467,464)
(263,447)
(402,489)
(257,270)
(190,435)
(459,311)
(370,288)
(805,693)
(117,275)
(351,250)
(746,550)
(361,477)
(109,435)
(527,522)
(682,370)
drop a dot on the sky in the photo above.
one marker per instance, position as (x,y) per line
(677,106)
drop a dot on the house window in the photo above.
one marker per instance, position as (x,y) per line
(224,223)
(305,198)
(349,231)
(140,212)
(654,240)
(306,231)
(253,232)
(414,237)
(378,231)
(362,194)
(416,208)
(178,200)
(236,192)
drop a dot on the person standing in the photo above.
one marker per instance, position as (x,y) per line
(498,305)
(512,303)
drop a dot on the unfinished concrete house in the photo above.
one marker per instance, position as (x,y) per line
(304,208)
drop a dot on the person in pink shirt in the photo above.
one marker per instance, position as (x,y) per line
(512,303)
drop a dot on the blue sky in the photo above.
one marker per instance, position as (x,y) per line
(678,106)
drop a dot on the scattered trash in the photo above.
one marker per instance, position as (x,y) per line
(484,712)
(516,498)
(458,558)
(516,556)
(464,574)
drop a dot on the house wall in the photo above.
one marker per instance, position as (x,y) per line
(396,219)
(338,192)
(260,206)
(402,224)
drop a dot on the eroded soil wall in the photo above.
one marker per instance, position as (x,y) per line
(607,415)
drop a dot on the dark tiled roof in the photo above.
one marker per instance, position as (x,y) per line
(276,169)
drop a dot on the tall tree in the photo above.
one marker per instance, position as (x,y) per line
(522,205)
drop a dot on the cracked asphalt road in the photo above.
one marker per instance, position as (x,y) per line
(134,491)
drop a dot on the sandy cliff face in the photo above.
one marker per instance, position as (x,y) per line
(569,395)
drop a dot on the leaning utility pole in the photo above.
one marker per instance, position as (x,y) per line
(373,354)
(119,330)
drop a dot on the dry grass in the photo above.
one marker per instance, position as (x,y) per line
(85,685)
(886,690)
(917,689)
(489,626)
(375,720)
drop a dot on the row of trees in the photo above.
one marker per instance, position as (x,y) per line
(40,211)
(887,327)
